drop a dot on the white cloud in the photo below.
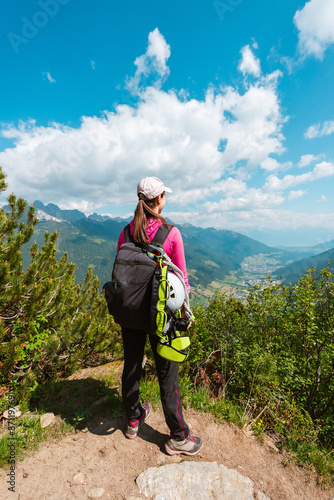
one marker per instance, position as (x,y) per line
(315,23)
(266,219)
(153,62)
(320,130)
(323,199)
(165,134)
(100,160)
(321,170)
(206,150)
(239,202)
(306,160)
(230,187)
(293,195)
(46,75)
(82,206)
(271,165)
(93,64)
(249,64)
(254,132)
(252,199)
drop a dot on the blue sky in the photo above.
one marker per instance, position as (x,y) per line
(229,102)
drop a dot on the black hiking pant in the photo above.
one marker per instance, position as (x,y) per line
(168,376)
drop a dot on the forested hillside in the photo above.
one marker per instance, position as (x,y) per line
(291,273)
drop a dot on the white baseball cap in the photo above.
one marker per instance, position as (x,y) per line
(151,187)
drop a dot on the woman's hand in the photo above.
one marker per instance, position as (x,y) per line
(183,312)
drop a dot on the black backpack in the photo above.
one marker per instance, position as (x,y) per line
(135,280)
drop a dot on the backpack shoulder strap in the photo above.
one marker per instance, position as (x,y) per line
(161,234)
(159,238)
(127,234)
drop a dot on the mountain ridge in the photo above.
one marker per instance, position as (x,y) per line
(55,211)
(211,254)
(292,272)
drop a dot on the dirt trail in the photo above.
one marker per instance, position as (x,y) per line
(101,457)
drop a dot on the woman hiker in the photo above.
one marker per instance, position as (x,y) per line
(146,222)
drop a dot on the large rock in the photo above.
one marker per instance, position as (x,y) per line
(195,481)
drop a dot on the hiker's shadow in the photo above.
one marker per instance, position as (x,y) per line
(89,405)
(147,433)
(104,426)
(85,404)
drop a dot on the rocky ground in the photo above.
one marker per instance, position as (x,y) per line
(99,462)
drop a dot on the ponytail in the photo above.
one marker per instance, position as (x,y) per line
(143,212)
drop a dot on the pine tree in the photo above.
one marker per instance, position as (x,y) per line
(49,325)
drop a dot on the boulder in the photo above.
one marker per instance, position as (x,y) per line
(195,481)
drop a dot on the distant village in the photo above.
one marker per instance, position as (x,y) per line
(254,271)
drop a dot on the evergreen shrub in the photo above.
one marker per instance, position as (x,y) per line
(273,354)
(49,325)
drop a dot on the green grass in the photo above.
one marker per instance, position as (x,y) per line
(74,403)
(305,452)
(199,399)
(28,435)
(149,391)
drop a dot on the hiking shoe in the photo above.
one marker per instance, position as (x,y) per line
(190,446)
(132,428)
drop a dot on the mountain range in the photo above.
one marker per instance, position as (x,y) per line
(211,254)
(292,272)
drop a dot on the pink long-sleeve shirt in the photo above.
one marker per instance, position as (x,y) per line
(173,245)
